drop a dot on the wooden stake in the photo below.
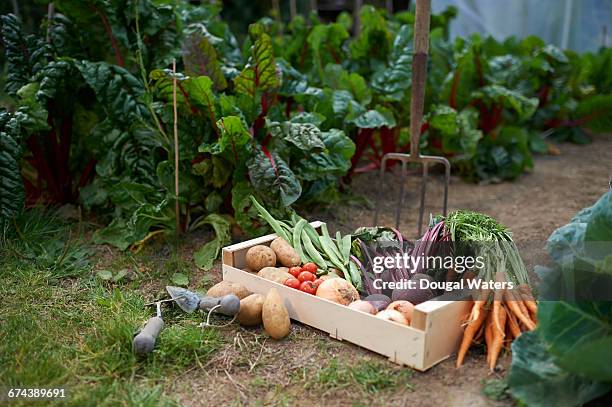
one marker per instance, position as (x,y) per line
(292,8)
(176,151)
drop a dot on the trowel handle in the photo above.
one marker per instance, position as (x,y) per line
(229,304)
(144,342)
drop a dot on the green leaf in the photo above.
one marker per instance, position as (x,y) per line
(180,279)
(260,72)
(334,160)
(337,77)
(105,275)
(536,380)
(579,335)
(394,80)
(234,136)
(596,111)
(12,193)
(244,211)
(373,41)
(525,107)
(200,59)
(119,276)
(305,136)
(374,119)
(25,54)
(272,174)
(205,256)
(325,42)
(118,91)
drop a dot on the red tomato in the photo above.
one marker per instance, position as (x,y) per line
(308,287)
(293,283)
(295,271)
(306,276)
(318,282)
(311,267)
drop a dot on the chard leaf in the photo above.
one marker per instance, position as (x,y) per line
(234,136)
(12,193)
(373,119)
(394,80)
(596,109)
(305,136)
(337,77)
(200,59)
(334,160)
(260,72)
(117,90)
(205,255)
(269,172)
(325,42)
(525,107)
(244,211)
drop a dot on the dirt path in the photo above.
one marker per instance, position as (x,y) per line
(532,207)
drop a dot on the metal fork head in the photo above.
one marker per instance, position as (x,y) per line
(424,161)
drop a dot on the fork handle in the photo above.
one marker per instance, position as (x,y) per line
(419,72)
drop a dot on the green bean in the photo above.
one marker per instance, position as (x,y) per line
(312,252)
(297,240)
(313,235)
(278,229)
(346,248)
(325,238)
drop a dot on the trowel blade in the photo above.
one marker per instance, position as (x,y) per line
(187,300)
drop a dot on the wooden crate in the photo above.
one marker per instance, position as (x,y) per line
(434,333)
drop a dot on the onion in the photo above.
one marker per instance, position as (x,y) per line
(363,306)
(392,315)
(338,290)
(404,307)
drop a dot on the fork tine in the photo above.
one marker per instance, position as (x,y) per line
(423,192)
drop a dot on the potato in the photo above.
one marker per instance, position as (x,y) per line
(250,310)
(260,256)
(226,287)
(275,316)
(274,274)
(286,255)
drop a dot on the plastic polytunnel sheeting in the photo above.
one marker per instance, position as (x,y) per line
(582,25)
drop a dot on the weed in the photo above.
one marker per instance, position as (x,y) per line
(495,389)
(369,376)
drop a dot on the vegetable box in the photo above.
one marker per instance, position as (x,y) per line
(433,335)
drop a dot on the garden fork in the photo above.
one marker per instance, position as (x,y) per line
(419,78)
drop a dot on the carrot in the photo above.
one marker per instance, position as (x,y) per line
(468,335)
(497,340)
(496,320)
(489,336)
(515,308)
(513,325)
(527,297)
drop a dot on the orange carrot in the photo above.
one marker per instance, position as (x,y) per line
(497,340)
(513,325)
(496,312)
(514,306)
(489,336)
(527,297)
(470,331)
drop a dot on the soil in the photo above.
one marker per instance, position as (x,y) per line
(259,371)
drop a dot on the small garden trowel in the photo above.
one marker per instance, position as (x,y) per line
(189,301)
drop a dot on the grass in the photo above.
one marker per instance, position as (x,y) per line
(64,327)
(365,375)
